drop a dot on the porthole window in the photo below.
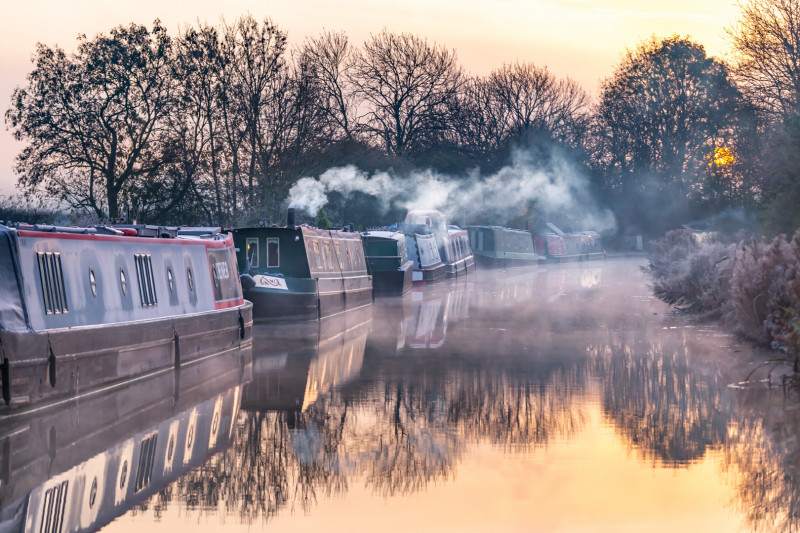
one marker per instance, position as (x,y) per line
(170,280)
(92,282)
(123,281)
(190,279)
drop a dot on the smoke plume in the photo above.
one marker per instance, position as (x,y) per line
(560,187)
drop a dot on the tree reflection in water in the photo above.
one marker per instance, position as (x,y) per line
(662,406)
(763,459)
(410,415)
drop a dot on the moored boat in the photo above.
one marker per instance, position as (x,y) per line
(575,246)
(452,242)
(498,247)
(300,272)
(388,262)
(82,308)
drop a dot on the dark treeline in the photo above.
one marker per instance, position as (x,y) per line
(215,124)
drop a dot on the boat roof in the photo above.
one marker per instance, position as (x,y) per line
(385,234)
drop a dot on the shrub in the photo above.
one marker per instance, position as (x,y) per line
(691,276)
(765,292)
(753,286)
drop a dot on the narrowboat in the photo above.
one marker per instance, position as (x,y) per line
(576,246)
(300,272)
(498,247)
(422,250)
(388,262)
(452,242)
(82,308)
(79,466)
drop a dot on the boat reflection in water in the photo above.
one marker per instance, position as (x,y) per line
(293,364)
(419,320)
(566,384)
(78,466)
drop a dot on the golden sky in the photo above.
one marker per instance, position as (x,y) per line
(582,39)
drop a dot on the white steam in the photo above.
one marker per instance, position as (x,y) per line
(560,188)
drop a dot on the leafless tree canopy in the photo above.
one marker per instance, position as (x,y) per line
(408,87)
(766,41)
(215,125)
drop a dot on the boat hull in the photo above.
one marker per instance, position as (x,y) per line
(459,268)
(309,299)
(392,282)
(430,275)
(593,256)
(497,260)
(63,364)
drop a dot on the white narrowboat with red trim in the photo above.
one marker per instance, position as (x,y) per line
(84,308)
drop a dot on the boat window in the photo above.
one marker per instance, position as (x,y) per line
(214,275)
(348,257)
(317,255)
(147,282)
(170,280)
(52,280)
(123,281)
(480,240)
(251,245)
(273,252)
(92,282)
(328,256)
(190,279)
(338,250)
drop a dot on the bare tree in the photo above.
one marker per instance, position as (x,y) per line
(482,120)
(408,87)
(535,100)
(94,121)
(664,119)
(255,64)
(766,40)
(197,128)
(328,59)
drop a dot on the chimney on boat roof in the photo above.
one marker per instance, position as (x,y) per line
(290,218)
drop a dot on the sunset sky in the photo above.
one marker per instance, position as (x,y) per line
(581,39)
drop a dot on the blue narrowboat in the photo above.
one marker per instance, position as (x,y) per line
(452,242)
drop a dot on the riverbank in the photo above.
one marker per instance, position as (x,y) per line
(750,287)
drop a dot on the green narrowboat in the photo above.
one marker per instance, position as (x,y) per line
(388,262)
(499,247)
(301,273)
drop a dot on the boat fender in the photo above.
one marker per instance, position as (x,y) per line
(241,325)
(5,374)
(51,365)
(176,339)
(247,281)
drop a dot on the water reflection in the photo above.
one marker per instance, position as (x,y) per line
(670,412)
(397,399)
(76,467)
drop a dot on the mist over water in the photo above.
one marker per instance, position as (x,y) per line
(559,187)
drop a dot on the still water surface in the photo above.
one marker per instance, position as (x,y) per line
(564,398)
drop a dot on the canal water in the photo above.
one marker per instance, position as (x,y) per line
(563,398)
